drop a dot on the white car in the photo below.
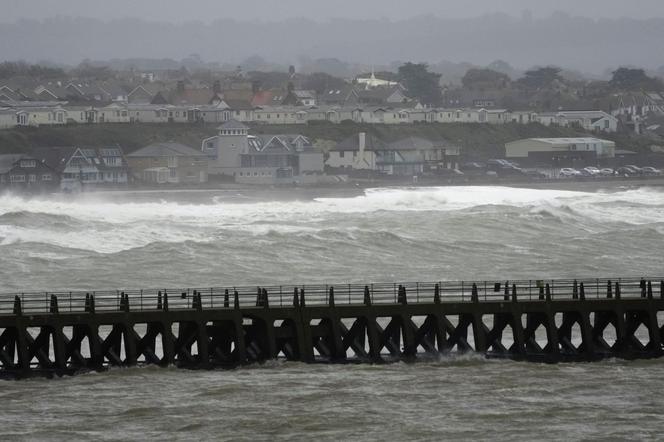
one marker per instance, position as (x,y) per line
(607,171)
(568,172)
(651,171)
(591,170)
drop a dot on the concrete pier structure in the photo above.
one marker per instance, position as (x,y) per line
(62,333)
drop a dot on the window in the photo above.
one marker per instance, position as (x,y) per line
(341,154)
(173,173)
(47,177)
(32,178)
(17,178)
(28,164)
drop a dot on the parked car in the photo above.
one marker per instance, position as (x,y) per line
(568,172)
(636,170)
(501,163)
(535,174)
(626,171)
(473,166)
(508,171)
(607,171)
(590,171)
(650,171)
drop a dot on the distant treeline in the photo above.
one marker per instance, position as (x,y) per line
(9,69)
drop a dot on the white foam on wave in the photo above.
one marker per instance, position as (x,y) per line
(117,226)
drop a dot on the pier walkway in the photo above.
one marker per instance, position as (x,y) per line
(548,321)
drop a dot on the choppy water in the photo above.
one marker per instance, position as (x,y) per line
(249,237)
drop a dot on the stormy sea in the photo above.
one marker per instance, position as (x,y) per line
(295,236)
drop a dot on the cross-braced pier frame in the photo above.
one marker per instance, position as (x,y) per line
(550,321)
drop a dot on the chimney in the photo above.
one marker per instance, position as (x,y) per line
(216,86)
(180,87)
(362,143)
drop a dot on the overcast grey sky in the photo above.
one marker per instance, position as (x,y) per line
(207,10)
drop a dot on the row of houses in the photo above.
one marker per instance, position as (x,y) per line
(58,113)
(234,154)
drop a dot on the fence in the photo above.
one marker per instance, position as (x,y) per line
(340,294)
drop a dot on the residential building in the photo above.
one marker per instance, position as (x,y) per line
(597,121)
(7,118)
(86,167)
(41,116)
(410,156)
(144,93)
(300,98)
(170,162)
(29,174)
(262,159)
(413,156)
(339,97)
(358,152)
(382,95)
(6,163)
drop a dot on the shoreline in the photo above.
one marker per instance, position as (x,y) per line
(354,188)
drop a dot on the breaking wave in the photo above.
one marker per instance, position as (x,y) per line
(106,226)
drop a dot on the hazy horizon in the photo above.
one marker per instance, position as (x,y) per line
(209,10)
(588,36)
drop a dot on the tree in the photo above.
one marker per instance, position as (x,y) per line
(91,71)
(421,84)
(10,69)
(540,78)
(322,82)
(269,80)
(627,79)
(485,79)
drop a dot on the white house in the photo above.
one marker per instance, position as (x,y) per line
(357,152)
(7,118)
(598,121)
(41,116)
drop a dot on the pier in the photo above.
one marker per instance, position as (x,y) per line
(55,334)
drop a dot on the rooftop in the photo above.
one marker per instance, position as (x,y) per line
(586,140)
(232,124)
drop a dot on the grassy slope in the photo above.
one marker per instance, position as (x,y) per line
(478,140)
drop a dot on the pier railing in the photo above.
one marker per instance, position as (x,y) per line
(331,294)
